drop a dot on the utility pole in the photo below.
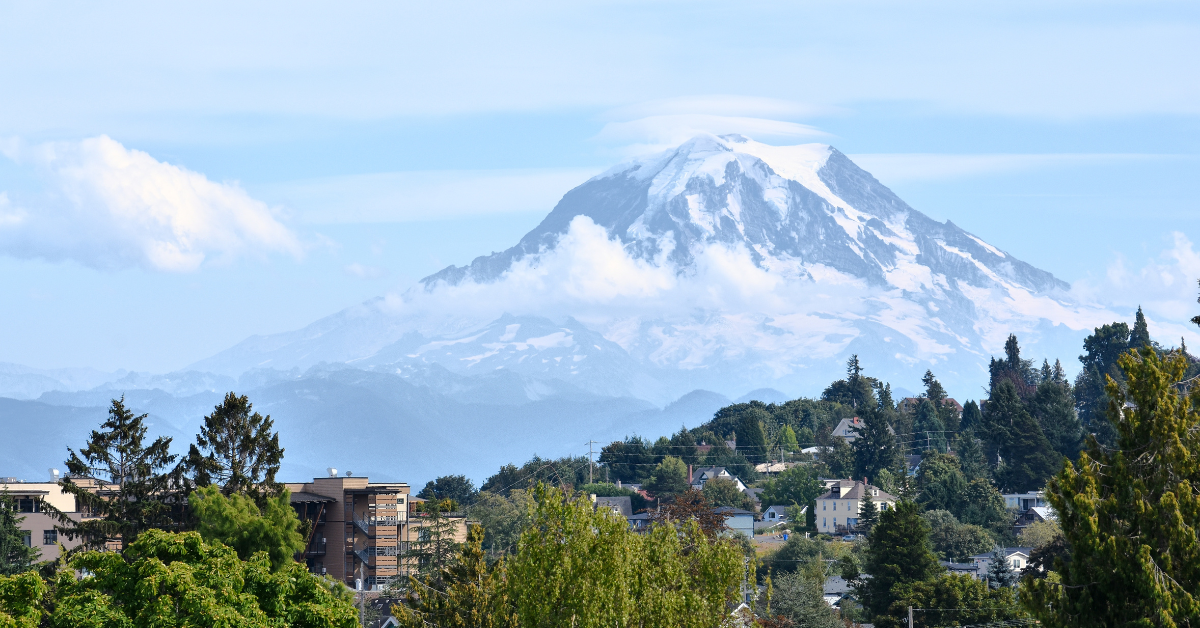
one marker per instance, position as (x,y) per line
(590,463)
(910,624)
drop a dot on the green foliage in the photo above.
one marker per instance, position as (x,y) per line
(940,482)
(167,580)
(1040,534)
(1130,515)
(1000,573)
(1099,359)
(983,505)
(1028,459)
(138,484)
(796,553)
(868,514)
(432,543)
(604,489)
(950,600)
(797,485)
(237,522)
(936,394)
(502,519)
(722,456)
(15,555)
(467,594)
(21,600)
(798,597)
(929,433)
(898,553)
(955,541)
(838,457)
(683,446)
(971,416)
(855,391)
(1139,336)
(724,492)
(566,471)
(751,439)
(628,461)
(875,449)
(582,567)
(970,455)
(786,443)
(1053,406)
(670,478)
(453,487)
(237,451)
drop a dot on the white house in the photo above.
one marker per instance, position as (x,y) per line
(737,520)
(1017,557)
(837,511)
(1024,501)
(775,514)
(704,474)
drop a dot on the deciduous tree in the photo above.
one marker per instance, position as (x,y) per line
(237,522)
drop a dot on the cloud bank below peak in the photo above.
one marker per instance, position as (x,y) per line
(109,207)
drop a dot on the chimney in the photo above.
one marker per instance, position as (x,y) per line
(689,474)
(618,483)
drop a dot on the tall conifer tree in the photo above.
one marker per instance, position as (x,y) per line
(237,450)
(139,486)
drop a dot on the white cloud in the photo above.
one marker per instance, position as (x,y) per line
(892,168)
(424,195)
(1165,288)
(113,207)
(660,132)
(363,271)
(729,105)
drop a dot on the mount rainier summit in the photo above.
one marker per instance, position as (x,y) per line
(724,264)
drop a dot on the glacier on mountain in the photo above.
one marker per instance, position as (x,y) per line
(725,264)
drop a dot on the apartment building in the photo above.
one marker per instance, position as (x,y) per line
(32,499)
(360,530)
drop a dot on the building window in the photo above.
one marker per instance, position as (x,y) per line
(49,537)
(824,523)
(28,538)
(822,505)
(835,506)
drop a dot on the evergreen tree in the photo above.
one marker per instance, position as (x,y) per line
(886,402)
(457,488)
(670,478)
(1139,336)
(875,448)
(929,431)
(434,547)
(468,594)
(1028,459)
(139,488)
(1013,369)
(971,416)
(237,450)
(683,446)
(838,457)
(982,505)
(1053,405)
(940,482)
(797,597)
(751,439)
(970,456)
(1101,350)
(855,391)
(936,394)
(868,514)
(898,552)
(15,555)
(1130,514)
(1000,572)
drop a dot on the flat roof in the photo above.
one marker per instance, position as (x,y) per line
(310,498)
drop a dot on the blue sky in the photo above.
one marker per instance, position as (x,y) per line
(316,155)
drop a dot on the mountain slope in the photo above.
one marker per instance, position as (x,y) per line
(724,264)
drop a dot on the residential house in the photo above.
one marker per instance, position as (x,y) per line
(838,509)
(1032,516)
(848,429)
(704,474)
(1017,557)
(621,505)
(738,520)
(1021,502)
(775,514)
(360,530)
(958,569)
(35,501)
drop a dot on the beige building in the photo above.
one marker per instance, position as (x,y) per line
(837,510)
(359,529)
(37,523)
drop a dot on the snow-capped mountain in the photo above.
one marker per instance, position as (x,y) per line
(725,264)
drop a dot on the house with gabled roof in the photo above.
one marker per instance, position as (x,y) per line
(837,510)
(704,474)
